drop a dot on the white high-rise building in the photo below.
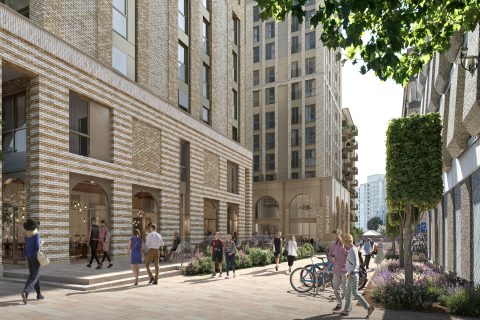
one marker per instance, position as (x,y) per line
(372,202)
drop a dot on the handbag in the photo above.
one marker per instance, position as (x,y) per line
(42,257)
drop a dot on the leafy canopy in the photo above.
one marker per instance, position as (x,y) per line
(414,162)
(393,38)
(374,223)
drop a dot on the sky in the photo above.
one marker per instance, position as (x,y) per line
(372,104)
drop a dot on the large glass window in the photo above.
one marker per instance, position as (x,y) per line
(296,91)
(295,115)
(308,15)
(206,114)
(270,75)
(269,51)
(205,4)
(310,156)
(295,159)
(269,30)
(310,65)
(119,17)
(295,44)
(183,100)
(310,113)
(205,84)
(310,174)
(310,88)
(235,66)
(270,120)
(182,62)
(235,104)
(270,161)
(256,121)
(205,35)
(119,60)
(183,15)
(79,128)
(232,177)
(310,135)
(270,140)
(256,142)
(256,34)
(256,77)
(270,95)
(256,14)
(294,70)
(256,54)
(295,26)
(256,163)
(236,30)
(310,40)
(294,138)
(14,123)
(256,98)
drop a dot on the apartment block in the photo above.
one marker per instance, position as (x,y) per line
(294,89)
(128,111)
(372,200)
(448,84)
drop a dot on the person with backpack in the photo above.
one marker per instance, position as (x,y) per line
(230,249)
(277,248)
(93,237)
(104,243)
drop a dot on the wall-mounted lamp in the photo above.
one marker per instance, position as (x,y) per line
(469,63)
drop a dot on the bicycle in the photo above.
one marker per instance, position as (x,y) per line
(315,275)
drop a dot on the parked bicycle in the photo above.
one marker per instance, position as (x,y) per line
(319,275)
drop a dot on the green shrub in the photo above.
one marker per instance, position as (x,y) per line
(305,251)
(390,256)
(463,302)
(401,297)
(260,257)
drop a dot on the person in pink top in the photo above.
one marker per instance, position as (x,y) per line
(337,254)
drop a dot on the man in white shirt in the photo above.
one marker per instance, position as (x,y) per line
(153,242)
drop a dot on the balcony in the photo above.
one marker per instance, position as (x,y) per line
(354,183)
(354,157)
(348,176)
(354,131)
(354,170)
(353,194)
(354,145)
(344,154)
(353,218)
(354,207)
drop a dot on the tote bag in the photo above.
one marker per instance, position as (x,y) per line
(42,257)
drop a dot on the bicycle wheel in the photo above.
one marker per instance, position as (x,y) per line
(302,280)
(362,280)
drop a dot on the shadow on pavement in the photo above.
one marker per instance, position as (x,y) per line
(115,289)
(11,303)
(205,280)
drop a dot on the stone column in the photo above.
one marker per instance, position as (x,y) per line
(121,216)
(48,197)
(465,236)
(475,264)
(451,232)
(248,205)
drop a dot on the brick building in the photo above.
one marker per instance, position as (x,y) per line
(129,111)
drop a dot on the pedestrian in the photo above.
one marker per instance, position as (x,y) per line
(367,247)
(135,250)
(235,238)
(217,249)
(31,248)
(175,242)
(277,245)
(353,268)
(339,256)
(104,243)
(230,250)
(93,236)
(153,243)
(291,251)
(336,240)
(380,252)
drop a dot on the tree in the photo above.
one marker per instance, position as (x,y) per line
(413,172)
(357,233)
(374,223)
(394,228)
(392,38)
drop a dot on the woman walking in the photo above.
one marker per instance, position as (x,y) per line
(380,253)
(353,268)
(32,246)
(230,248)
(104,243)
(291,251)
(277,248)
(135,250)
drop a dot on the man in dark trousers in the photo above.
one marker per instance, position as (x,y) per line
(93,237)
(367,247)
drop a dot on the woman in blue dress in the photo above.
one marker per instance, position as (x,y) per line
(135,249)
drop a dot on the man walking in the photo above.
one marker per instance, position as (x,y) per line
(93,236)
(367,247)
(338,255)
(153,242)
(217,253)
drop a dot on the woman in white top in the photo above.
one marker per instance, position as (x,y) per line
(352,267)
(291,251)
(380,253)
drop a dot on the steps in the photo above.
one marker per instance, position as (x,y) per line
(61,279)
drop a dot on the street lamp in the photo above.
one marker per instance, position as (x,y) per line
(469,63)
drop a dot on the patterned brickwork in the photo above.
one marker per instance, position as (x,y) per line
(212,170)
(58,69)
(146,147)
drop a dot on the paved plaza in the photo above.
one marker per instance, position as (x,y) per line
(256,293)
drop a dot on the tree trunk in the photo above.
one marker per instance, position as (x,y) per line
(407,245)
(400,247)
(393,245)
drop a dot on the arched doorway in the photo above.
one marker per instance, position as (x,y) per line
(14,215)
(210,217)
(232,218)
(267,216)
(87,200)
(302,218)
(144,211)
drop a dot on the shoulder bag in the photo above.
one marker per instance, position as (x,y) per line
(42,257)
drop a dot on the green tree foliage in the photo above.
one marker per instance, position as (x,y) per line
(413,172)
(393,38)
(357,233)
(374,223)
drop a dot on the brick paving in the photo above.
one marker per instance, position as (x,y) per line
(256,293)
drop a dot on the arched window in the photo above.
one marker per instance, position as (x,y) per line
(302,214)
